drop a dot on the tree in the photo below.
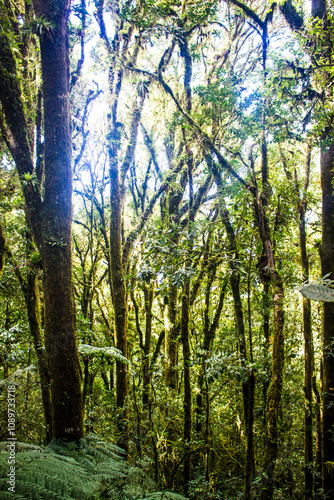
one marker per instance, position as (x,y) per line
(321,43)
(49,217)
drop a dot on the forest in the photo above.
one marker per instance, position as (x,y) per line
(166,249)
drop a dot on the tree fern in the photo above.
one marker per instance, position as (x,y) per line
(102,352)
(18,374)
(89,470)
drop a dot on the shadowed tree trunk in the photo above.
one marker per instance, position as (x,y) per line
(327,266)
(322,48)
(248,385)
(55,234)
(307,325)
(50,219)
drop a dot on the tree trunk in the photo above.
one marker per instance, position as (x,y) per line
(60,324)
(275,388)
(248,385)
(187,420)
(148,294)
(308,345)
(119,295)
(33,309)
(50,219)
(327,266)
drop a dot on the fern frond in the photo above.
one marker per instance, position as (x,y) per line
(89,470)
(102,352)
(8,495)
(164,495)
(21,372)
(320,292)
(21,447)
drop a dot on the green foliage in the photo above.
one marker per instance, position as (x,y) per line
(30,181)
(40,26)
(17,375)
(90,351)
(323,292)
(90,469)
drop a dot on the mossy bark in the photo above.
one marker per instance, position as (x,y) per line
(33,308)
(187,417)
(50,219)
(275,389)
(308,347)
(327,266)
(148,294)
(60,324)
(248,385)
(119,294)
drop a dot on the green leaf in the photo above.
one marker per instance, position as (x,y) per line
(318,292)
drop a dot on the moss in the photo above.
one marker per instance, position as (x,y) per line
(330,468)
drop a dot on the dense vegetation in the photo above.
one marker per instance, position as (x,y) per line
(166,190)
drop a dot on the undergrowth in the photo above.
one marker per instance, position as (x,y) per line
(89,470)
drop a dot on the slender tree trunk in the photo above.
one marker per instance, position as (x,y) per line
(275,389)
(171,339)
(248,385)
(308,347)
(327,266)
(119,295)
(187,420)
(29,287)
(308,418)
(34,318)
(318,429)
(148,294)
(270,277)
(307,326)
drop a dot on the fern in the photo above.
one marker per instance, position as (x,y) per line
(8,495)
(102,352)
(164,495)
(88,470)
(21,372)
(319,292)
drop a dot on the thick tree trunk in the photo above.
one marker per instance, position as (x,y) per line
(60,324)
(50,220)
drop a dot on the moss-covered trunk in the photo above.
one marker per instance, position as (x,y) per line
(248,385)
(60,324)
(275,388)
(327,265)
(149,294)
(187,417)
(308,361)
(33,309)
(50,218)
(119,294)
